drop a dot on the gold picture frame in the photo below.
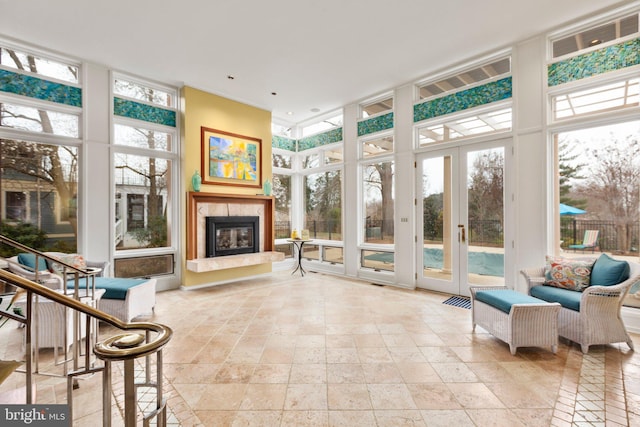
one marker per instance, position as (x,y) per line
(230,159)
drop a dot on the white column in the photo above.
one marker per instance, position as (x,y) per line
(350,190)
(531,164)
(405,229)
(96,198)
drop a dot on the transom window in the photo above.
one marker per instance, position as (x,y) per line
(278,129)
(144,92)
(21,60)
(328,155)
(28,118)
(585,39)
(333,155)
(607,97)
(477,124)
(489,71)
(323,125)
(143,138)
(281,160)
(376,107)
(377,146)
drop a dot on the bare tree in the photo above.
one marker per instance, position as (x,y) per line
(486,198)
(380,177)
(323,200)
(612,187)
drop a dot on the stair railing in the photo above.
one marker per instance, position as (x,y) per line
(126,347)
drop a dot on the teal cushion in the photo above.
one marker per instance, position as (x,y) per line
(608,271)
(29,260)
(567,298)
(115,287)
(503,299)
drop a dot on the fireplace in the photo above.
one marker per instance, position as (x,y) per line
(232,235)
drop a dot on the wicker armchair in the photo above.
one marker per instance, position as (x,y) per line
(44,277)
(599,320)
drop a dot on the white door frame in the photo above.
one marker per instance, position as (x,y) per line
(457,283)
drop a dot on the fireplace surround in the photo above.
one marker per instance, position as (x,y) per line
(202,204)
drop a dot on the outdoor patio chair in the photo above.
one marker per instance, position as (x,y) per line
(590,241)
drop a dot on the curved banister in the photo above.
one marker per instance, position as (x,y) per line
(124,347)
(102,350)
(18,245)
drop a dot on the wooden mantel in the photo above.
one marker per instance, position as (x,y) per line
(196,198)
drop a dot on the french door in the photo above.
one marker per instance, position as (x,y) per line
(461,217)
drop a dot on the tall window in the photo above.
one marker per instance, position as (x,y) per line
(323,204)
(378,202)
(282,196)
(142,191)
(597,188)
(39,173)
(376,168)
(145,162)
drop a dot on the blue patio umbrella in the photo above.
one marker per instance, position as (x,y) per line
(570,210)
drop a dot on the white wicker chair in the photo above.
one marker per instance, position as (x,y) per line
(599,320)
(140,301)
(44,277)
(54,323)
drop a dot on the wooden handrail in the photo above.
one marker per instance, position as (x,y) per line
(123,347)
(37,253)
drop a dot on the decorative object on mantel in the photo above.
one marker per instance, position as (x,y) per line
(267,187)
(230,159)
(196,181)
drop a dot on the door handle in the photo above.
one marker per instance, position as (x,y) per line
(461,233)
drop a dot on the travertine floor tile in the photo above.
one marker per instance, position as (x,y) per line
(320,350)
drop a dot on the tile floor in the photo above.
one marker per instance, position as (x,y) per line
(328,351)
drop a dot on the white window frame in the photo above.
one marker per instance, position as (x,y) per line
(172,155)
(586,121)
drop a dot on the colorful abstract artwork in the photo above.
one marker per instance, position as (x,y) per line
(230,159)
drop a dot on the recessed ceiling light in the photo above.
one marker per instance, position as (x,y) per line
(230,77)
(595,42)
(315,110)
(290,113)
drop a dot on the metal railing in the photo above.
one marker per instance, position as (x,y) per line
(612,236)
(138,340)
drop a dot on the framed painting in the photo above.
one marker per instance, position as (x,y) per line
(230,159)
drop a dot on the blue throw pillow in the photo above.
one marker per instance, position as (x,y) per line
(29,260)
(608,271)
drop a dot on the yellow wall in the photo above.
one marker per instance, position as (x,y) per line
(204,109)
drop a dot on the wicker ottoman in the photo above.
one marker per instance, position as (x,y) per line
(518,319)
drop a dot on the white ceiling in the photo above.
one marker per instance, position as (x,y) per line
(315,54)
